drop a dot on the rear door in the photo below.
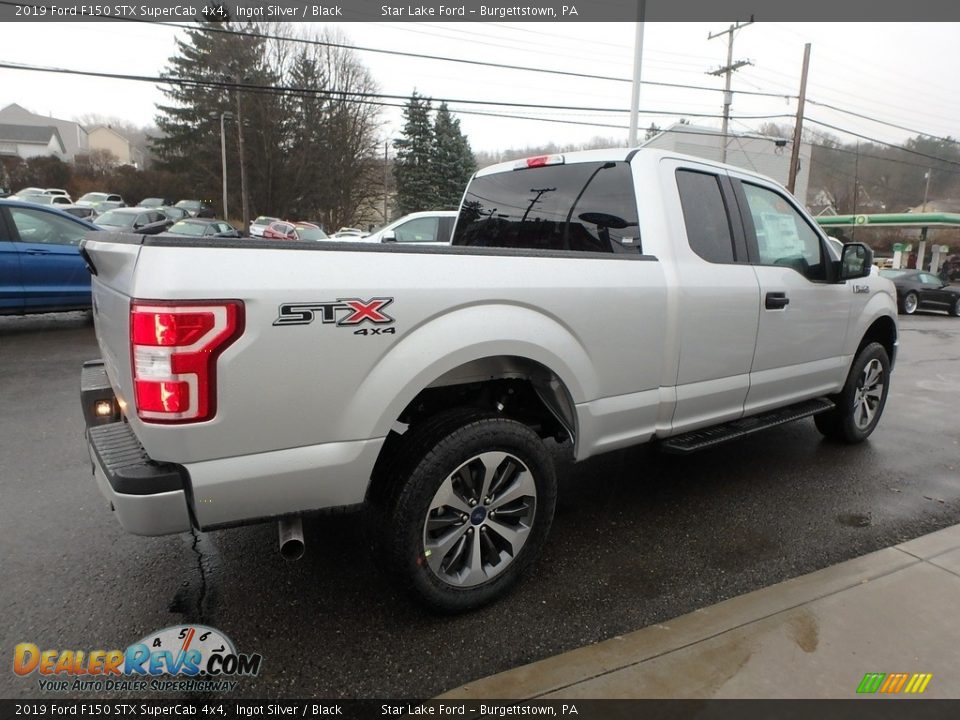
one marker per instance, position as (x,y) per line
(11,286)
(718,297)
(51,270)
(803,314)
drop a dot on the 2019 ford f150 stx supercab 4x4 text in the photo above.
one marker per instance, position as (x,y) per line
(607,298)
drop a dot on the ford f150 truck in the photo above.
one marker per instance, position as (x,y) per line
(605,298)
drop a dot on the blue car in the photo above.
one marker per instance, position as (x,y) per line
(40,265)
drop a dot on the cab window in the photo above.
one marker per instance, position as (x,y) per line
(783,236)
(418,230)
(35,226)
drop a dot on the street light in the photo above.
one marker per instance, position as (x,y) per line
(223,156)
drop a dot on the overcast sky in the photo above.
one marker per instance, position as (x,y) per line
(904,74)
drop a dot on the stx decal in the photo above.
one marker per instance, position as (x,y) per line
(342,312)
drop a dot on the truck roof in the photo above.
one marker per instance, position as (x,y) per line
(620,155)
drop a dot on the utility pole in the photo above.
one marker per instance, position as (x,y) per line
(223,157)
(728,70)
(637,62)
(243,171)
(386,166)
(926,190)
(798,125)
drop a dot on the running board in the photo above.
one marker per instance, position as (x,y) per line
(708,437)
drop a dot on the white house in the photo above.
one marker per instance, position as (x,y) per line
(72,135)
(26,141)
(759,153)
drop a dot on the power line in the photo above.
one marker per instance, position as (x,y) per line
(884,122)
(354,95)
(442,58)
(881,142)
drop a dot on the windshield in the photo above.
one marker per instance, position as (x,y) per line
(152,202)
(188,204)
(587,207)
(188,228)
(116,219)
(891,274)
(264,220)
(93,197)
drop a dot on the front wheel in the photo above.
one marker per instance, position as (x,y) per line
(860,404)
(472,506)
(955,308)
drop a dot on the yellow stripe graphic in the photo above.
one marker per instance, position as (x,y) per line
(927,677)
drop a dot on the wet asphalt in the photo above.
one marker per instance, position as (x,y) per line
(639,538)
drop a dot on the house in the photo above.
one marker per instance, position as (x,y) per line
(26,141)
(72,135)
(104,137)
(758,153)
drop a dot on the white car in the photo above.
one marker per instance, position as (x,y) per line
(59,193)
(260,224)
(434,227)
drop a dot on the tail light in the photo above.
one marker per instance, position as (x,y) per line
(538,161)
(175,346)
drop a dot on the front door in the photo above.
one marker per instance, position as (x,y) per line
(803,315)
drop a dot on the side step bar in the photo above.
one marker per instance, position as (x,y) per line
(708,437)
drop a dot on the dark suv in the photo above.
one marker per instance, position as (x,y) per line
(197,208)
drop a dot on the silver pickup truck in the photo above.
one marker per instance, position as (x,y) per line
(604,298)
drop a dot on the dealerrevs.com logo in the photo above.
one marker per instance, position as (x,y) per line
(181,658)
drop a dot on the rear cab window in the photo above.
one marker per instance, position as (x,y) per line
(582,207)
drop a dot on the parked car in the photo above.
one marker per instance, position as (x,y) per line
(173,212)
(918,290)
(309,231)
(260,224)
(197,208)
(142,221)
(58,191)
(95,198)
(43,199)
(155,202)
(419,227)
(280,230)
(204,227)
(81,211)
(348,232)
(40,265)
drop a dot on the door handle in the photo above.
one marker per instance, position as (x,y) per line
(37,251)
(776,301)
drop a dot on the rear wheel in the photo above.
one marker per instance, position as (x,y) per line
(472,501)
(910,303)
(860,404)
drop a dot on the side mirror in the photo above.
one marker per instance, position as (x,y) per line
(389,236)
(137,226)
(855,261)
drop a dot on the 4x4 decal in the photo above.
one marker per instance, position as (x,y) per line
(348,312)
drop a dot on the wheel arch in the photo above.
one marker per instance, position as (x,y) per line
(882,330)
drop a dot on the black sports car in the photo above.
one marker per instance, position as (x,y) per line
(918,290)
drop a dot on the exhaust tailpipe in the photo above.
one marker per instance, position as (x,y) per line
(291,537)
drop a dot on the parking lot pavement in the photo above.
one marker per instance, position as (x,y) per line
(640,538)
(816,636)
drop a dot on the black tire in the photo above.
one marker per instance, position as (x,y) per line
(425,460)
(955,308)
(849,422)
(910,303)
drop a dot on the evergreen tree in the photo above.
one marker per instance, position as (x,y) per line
(189,142)
(453,161)
(416,188)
